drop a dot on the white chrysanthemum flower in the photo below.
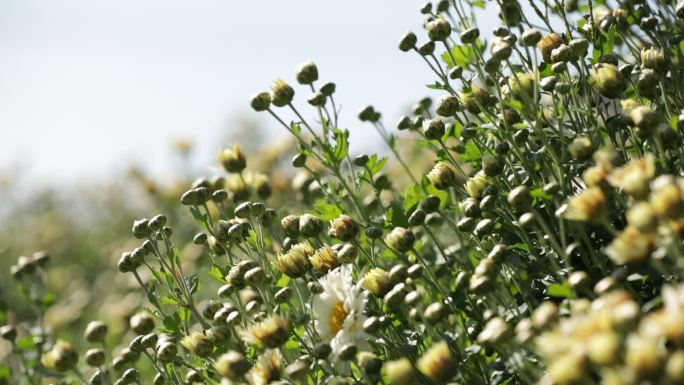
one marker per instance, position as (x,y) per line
(339,312)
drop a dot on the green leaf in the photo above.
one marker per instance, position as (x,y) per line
(559,290)
(172,323)
(436,86)
(192,282)
(341,144)
(217,273)
(412,196)
(25,343)
(610,40)
(539,194)
(376,164)
(326,210)
(463,55)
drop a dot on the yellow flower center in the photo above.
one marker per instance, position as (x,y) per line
(337,317)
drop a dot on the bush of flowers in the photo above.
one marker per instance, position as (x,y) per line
(543,244)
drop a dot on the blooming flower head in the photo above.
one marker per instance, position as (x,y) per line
(339,312)
(589,205)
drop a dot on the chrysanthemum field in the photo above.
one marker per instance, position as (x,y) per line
(523,227)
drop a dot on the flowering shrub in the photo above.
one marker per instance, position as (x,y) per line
(542,246)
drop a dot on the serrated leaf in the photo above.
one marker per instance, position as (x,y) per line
(326,210)
(559,290)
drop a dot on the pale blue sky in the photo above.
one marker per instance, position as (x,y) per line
(87,85)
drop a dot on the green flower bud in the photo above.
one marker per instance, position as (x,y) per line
(307,73)
(484,227)
(438,363)
(368,114)
(369,363)
(427,48)
(408,41)
(8,333)
(328,88)
(309,225)
(377,282)
(645,120)
(530,37)
(399,372)
(343,228)
(281,93)
(198,344)
(166,351)
(96,331)
(492,165)
(438,29)
(232,365)
(455,73)
(317,99)
(141,228)
(581,148)
(447,106)
(562,53)
(470,35)
(290,225)
(95,357)
(607,80)
(400,239)
(61,357)
(232,159)
(261,101)
(374,232)
(547,44)
(519,197)
(142,323)
(442,176)
(435,312)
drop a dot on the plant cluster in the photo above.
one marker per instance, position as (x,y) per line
(543,245)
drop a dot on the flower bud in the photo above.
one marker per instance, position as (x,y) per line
(309,225)
(142,323)
(399,372)
(561,54)
(547,44)
(417,218)
(295,263)
(492,165)
(438,29)
(581,148)
(435,312)
(447,106)
(8,333)
(607,80)
(509,12)
(343,228)
(198,344)
(377,281)
(470,35)
(438,363)
(427,48)
(141,228)
(281,93)
(519,197)
(307,73)
(645,120)
(654,59)
(94,357)
(495,332)
(441,176)
(530,37)
(232,365)
(400,239)
(255,276)
(61,357)
(328,88)
(408,41)
(369,363)
(589,205)
(260,101)
(232,159)
(324,259)
(96,331)
(434,128)
(166,351)
(475,185)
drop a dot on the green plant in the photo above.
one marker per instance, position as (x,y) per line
(543,244)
